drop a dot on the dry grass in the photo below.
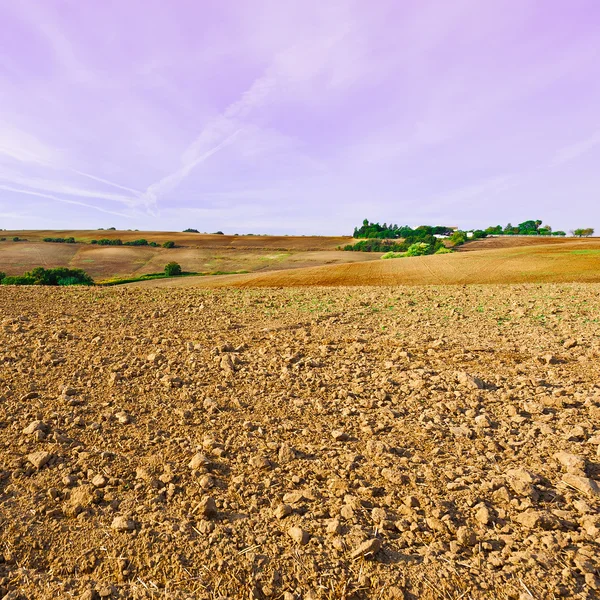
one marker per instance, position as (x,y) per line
(566,261)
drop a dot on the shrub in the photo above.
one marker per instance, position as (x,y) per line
(169,245)
(419,249)
(59,276)
(443,250)
(172,269)
(153,244)
(2,276)
(141,242)
(107,242)
(69,240)
(190,230)
(18,280)
(393,255)
(16,239)
(218,233)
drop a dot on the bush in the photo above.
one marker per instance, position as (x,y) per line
(190,230)
(58,276)
(107,242)
(443,250)
(16,239)
(69,240)
(153,244)
(169,245)
(393,255)
(172,269)
(141,242)
(2,276)
(18,280)
(419,249)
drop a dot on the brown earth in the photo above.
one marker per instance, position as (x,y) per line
(390,442)
(193,240)
(573,260)
(105,262)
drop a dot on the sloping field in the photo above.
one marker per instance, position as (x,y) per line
(103,262)
(402,443)
(194,240)
(566,261)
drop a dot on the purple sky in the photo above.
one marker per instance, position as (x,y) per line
(285,116)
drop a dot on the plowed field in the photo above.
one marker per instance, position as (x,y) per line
(389,442)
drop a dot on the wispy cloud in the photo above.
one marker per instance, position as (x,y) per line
(574,151)
(8,188)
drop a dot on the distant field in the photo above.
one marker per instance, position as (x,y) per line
(571,260)
(195,252)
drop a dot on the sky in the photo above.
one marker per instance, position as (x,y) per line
(298,116)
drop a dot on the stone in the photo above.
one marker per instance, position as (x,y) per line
(367,549)
(339,436)
(36,426)
(465,536)
(123,418)
(198,461)
(569,343)
(260,462)
(121,523)
(299,536)
(521,481)
(39,459)
(483,515)
(572,463)
(207,507)
(585,485)
(333,527)
(286,454)
(99,481)
(282,511)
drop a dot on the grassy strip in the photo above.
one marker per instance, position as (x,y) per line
(151,276)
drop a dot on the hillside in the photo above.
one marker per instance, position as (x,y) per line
(571,260)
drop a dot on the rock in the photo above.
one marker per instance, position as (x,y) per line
(333,527)
(99,481)
(122,523)
(466,536)
(198,461)
(470,381)
(521,481)
(585,485)
(286,454)
(299,535)
(282,511)
(123,417)
(534,519)
(36,426)
(412,502)
(569,343)
(260,462)
(573,463)
(90,595)
(367,549)
(39,459)
(548,359)
(483,515)
(206,482)
(207,507)
(483,421)
(339,436)
(81,497)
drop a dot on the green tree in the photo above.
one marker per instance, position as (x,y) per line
(172,269)
(583,232)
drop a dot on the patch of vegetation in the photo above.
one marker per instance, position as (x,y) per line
(107,242)
(190,230)
(393,232)
(172,269)
(58,276)
(388,255)
(587,232)
(419,249)
(169,244)
(59,240)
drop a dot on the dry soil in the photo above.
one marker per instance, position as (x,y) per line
(401,442)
